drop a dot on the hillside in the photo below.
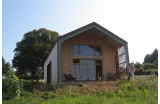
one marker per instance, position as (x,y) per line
(144,90)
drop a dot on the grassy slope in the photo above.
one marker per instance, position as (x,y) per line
(141,91)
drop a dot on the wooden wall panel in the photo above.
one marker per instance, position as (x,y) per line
(108,53)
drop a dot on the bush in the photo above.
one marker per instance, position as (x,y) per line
(29,86)
(138,72)
(149,66)
(11,87)
(81,84)
(146,72)
(48,95)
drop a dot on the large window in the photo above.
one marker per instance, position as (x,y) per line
(87,69)
(84,69)
(86,50)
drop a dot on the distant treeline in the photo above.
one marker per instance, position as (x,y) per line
(150,64)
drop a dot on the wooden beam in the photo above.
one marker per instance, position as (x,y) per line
(87,57)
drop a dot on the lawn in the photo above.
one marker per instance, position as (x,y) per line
(140,91)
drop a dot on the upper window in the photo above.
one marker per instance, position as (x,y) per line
(86,50)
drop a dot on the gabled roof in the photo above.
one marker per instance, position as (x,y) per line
(99,31)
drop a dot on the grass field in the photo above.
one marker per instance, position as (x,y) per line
(140,91)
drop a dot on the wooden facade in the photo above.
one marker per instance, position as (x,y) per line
(100,40)
(108,54)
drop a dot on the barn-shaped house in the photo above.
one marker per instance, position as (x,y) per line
(87,53)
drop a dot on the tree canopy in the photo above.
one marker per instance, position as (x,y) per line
(32,50)
(150,58)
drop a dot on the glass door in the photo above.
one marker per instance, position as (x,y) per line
(91,72)
(76,71)
(87,69)
(84,72)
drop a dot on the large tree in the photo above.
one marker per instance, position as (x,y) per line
(32,50)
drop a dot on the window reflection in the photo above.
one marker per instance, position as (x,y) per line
(87,69)
(91,72)
(86,50)
(75,49)
(84,74)
(76,71)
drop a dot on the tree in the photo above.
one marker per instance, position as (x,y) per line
(3,66)
(147,58)
(150,58)
(6,67)
(156,63)
(154,56)
(32,50)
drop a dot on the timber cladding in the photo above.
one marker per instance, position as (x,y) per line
(108,54)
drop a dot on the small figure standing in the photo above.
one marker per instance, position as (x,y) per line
(131,71)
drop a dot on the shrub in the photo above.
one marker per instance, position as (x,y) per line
(149,66)
(81,84)
(11,87)
(149,71)
(28,86)
(55,87)
(146,72)
(106,93)
(48,95)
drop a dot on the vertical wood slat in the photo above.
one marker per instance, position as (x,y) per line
(108,54)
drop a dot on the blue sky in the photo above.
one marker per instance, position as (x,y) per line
(136,21)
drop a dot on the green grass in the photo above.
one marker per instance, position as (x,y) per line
(129,92)
(88,99)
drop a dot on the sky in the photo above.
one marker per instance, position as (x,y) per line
(136,21)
